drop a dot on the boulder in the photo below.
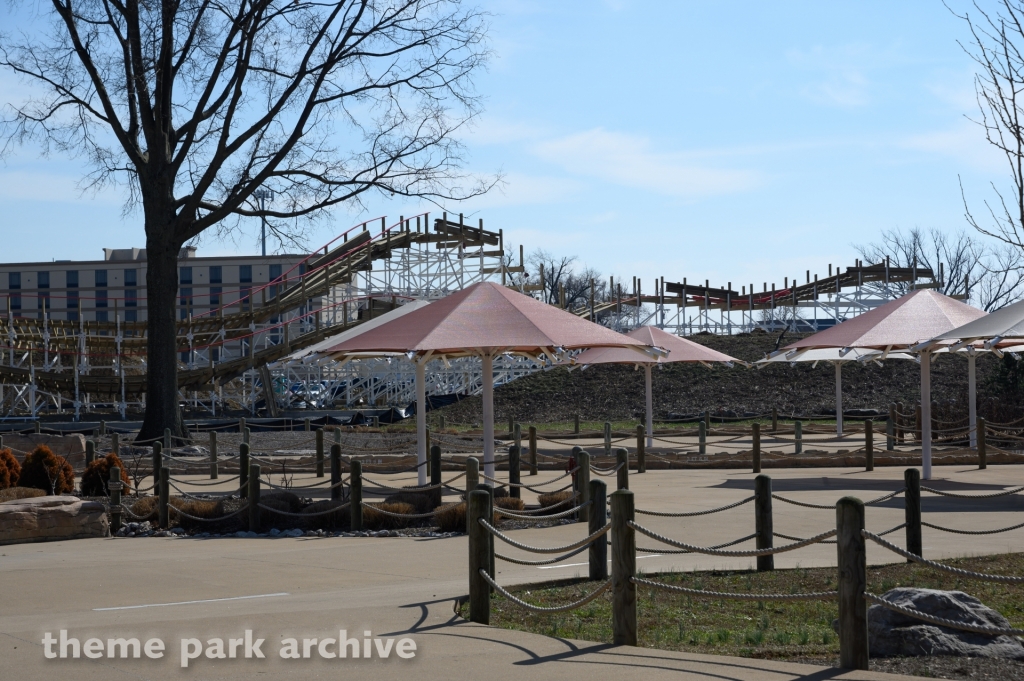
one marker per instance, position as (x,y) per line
(71,447)
(51,518)
(893,634)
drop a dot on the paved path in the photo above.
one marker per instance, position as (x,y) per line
(405,587)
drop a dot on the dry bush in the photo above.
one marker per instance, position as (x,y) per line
(279,501)
(16,493)
(285,501)
(421,502)
(546,500)
(10,469)
(451,518)
(372,520)
(338,520)
(96,478)
(45,470)
(144,508)
(509,504)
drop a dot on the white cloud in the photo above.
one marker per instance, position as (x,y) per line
(966,142)
(519,189)
(632,161)
(841,72)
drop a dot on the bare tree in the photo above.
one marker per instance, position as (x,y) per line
(193,105)
(563,283)
(997,40)
(989,276)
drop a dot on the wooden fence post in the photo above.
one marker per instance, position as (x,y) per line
(115,445)
(763,525)
(622,461)
(607,438)
(702,437)
(576,424)
(707,420)
(597,518)
(912,510)
(756,444)
(243,470)
(254,497)
(890,434)
(163,496)
(306,425)
(103,427)
(513,472)
(158,460)
(114,485)
(853,609)
(798,435)
(90,451)
(623,569)
(641,452)
(533,450)
(214,472)
(775,419)
(869,445)
(982,448)
(583,484)
(336,472)
(517,438)
(355,509)
(472,474)
(479,589)
(435,475)
(487,487)
(511,426)
(320,453)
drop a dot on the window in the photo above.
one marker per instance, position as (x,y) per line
(216,276)
(101,278)
(186,302)
(275,275)
(131,277)
(184,275)
(131,315)
(14,284)
(245,274)
(245,277)
(71,281)
(101,315)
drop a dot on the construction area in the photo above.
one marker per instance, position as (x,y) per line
(244,357)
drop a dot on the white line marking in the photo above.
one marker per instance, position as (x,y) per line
(209,600)
(555,567)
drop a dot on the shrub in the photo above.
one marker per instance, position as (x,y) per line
(96,478)
(509,504)
(421,503)
(451,518)
(16,493)
(278,501)
(372,520)
(45,470)
(285,501)
(338,520)
(146,509)
(10,469)
(552,498)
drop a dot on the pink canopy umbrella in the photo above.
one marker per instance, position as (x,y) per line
(483,320)
(678,350)
(900,325)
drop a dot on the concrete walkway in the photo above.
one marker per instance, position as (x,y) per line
(311,588)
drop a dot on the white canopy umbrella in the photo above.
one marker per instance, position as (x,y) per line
(677,350)
(835,356)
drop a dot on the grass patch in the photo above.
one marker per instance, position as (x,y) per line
(779,630)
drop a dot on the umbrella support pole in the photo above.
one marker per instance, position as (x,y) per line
(421,421)
(926,415)
(488,416)
(649,405)
(839,398)
(972,398)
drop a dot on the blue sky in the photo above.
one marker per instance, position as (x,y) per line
(727,141)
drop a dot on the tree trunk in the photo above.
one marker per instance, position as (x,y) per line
(162,410)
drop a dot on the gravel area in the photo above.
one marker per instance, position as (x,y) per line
(940,667)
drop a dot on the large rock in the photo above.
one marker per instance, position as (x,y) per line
(892,634)
(51,519)
(71,447)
